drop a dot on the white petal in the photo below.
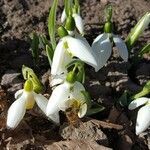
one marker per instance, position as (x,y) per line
(103,48)
(81,50)
(78,36)
(137,102)
(82,110)
(143,119)
(60,59)
(79,23)
(16,113)
(76,91)
(100,38)
(59,95)
(121,46)
(18,93)
(58,79)
(41,101)
(63,16)
(55,117)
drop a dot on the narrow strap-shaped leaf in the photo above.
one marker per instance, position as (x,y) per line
(49,53)
(52,23)
(35,46)
(96,108)
(44,41)
(145,49)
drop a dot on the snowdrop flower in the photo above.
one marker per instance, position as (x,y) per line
(102,46)
(26,99)
(67,95)
(143,116)
(66,49)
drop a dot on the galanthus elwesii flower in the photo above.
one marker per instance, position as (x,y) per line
(67,48)
(102,46)
(65,96)
(143,116)
(78,21)
(26,99)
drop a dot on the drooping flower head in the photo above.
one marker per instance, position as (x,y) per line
(67,48)
(25,100)
(65,96)
(103,43)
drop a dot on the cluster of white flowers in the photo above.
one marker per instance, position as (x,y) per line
(68,94)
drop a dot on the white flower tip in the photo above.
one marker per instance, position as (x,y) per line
(82,111)
(63,16)
(138,131)
(79,23)
(55,118)
(143,119)
(16,113)
(137,102)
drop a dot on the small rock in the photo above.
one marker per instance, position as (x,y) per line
(85,131)
(15,87)
(125,142)
(143,73)
(76,145)
(9,78)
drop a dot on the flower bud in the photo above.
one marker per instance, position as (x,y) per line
(108,27)
(62,32)
(70,23)
(71,77)
(138,30)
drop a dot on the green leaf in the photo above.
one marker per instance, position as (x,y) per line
(145,91)
(35,46)
(52,23)
(44,41)
(29,74)
(75,61)
(87,97)
(96,108)
(124,99)
(145,49)
(49,53)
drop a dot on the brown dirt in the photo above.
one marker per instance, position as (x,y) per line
(18,18)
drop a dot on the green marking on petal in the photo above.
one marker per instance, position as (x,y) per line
(28,86)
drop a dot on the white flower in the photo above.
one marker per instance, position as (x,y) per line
(143,116)
(66,49)
(64,95)
(102,46)
(26,99)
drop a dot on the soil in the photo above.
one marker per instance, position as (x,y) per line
(112,128)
